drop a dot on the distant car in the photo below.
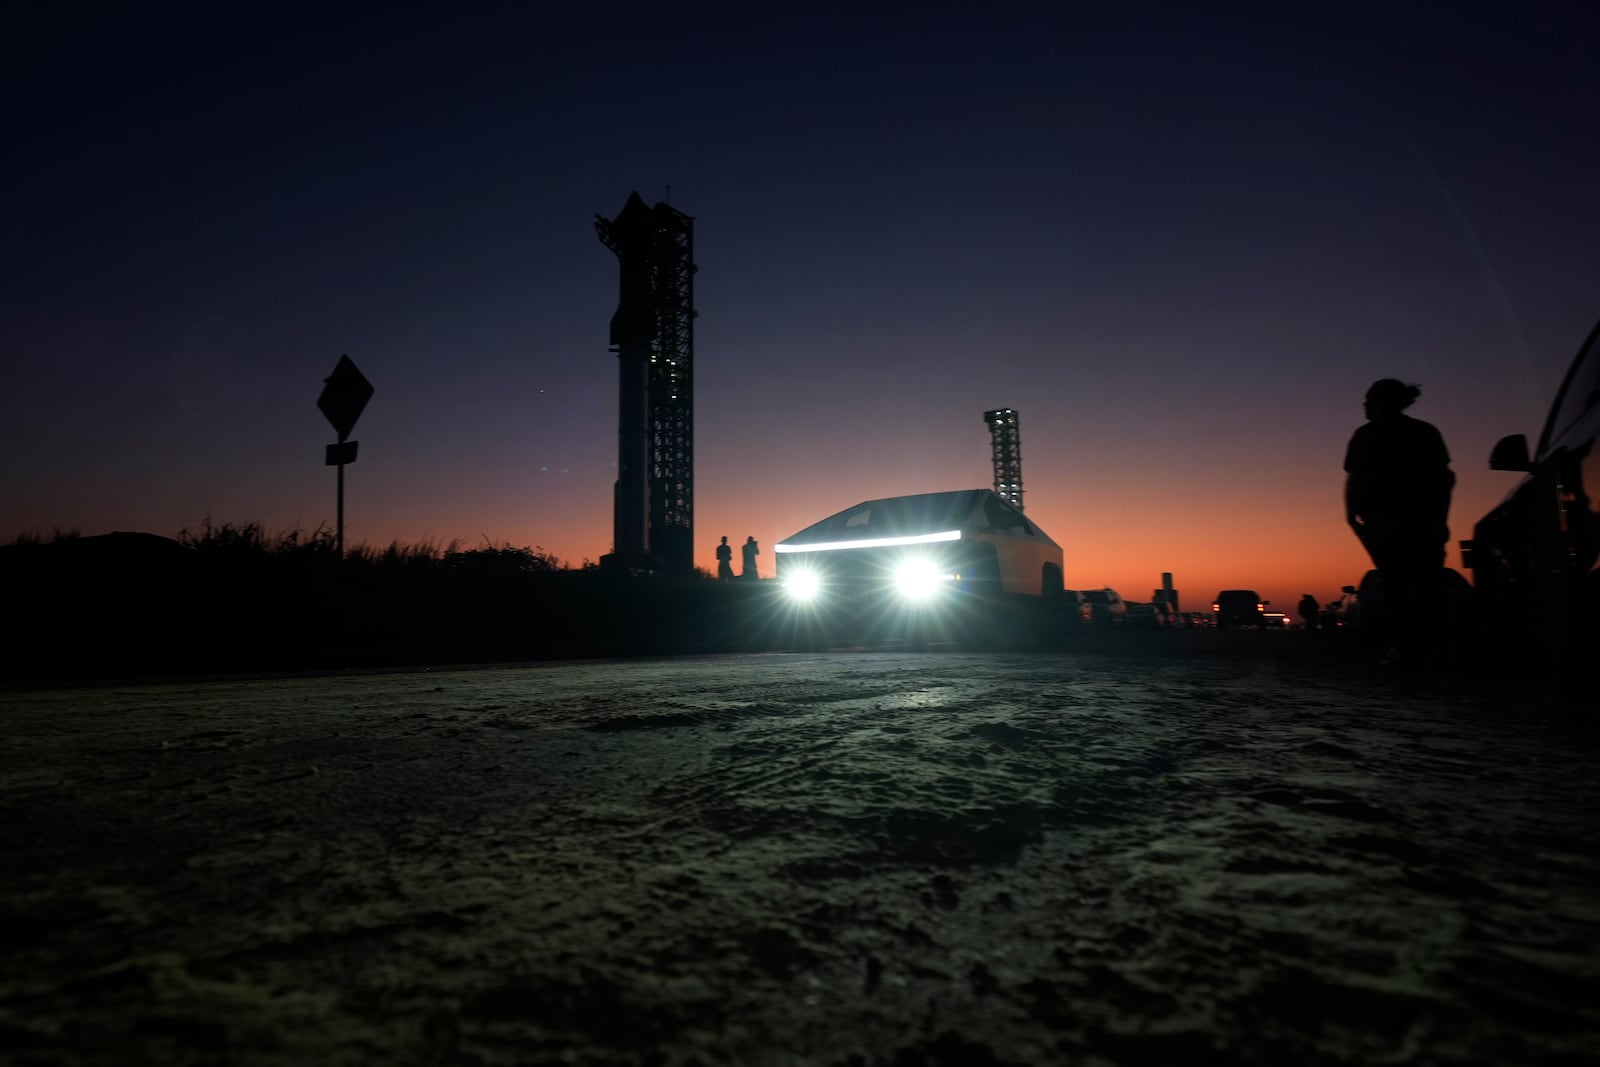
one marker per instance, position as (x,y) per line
(1535,558)
(1360,609)
(1274,620)
(1238,607)
(1103,607)
(1144,616)
(1360,612)
(1367,612)
(1341,614)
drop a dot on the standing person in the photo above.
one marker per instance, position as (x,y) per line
(1397,500)
(1309,609)
(724,560)
(751,551)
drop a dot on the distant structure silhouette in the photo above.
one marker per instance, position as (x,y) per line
(725,560)
(1166,598)
(751,550)
(1397,500)
(652,333)
(1005,435)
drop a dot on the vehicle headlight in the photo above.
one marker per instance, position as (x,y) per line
(804,585)
(919,578)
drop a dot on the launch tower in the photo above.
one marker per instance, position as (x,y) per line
(652,334)
(1005,434)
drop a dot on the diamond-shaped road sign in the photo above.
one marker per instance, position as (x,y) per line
(345,393)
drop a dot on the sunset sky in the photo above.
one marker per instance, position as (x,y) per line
(1181,246)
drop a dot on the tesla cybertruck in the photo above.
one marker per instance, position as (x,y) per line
(927,565)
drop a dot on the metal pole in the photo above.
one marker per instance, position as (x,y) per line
(338,537)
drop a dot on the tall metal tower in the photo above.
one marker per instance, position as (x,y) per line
(672,393)
(652,333)
(1006,436)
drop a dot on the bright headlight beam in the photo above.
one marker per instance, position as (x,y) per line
(919,579)
(803,586)
(873,542)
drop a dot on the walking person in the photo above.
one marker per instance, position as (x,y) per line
(724,560)
(1309,610)
(751,551)
(1397,500)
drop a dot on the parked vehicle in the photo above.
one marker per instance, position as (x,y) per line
(1238,607)
(1104,607)
(1535,558)
(1340,614)
(1143,616)
(1360,612)
(1360,609)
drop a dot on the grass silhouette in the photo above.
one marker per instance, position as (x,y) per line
(233,597)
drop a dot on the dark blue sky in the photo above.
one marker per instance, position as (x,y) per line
(1180,245)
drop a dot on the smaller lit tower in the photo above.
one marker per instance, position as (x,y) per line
(1006,436)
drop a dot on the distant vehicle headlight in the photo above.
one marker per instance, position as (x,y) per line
(804,586)
(919,578)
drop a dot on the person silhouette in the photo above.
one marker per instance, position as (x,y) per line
(751,550)
(1309,609)
(725,560)
(1397,500)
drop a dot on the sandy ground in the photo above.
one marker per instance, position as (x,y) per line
(1114,856)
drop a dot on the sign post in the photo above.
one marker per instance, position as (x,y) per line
(345,393)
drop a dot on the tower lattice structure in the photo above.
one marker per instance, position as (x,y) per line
(1005,435)
(653,334)
(671,406)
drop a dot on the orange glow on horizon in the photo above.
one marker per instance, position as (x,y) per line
(1209,538)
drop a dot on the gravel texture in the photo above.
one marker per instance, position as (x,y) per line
(1234,853)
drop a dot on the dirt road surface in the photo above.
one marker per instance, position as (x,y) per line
(1233,855)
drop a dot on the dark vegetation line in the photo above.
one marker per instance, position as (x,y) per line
(231,598)
(252,539)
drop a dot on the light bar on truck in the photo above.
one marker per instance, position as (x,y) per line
(873,542)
